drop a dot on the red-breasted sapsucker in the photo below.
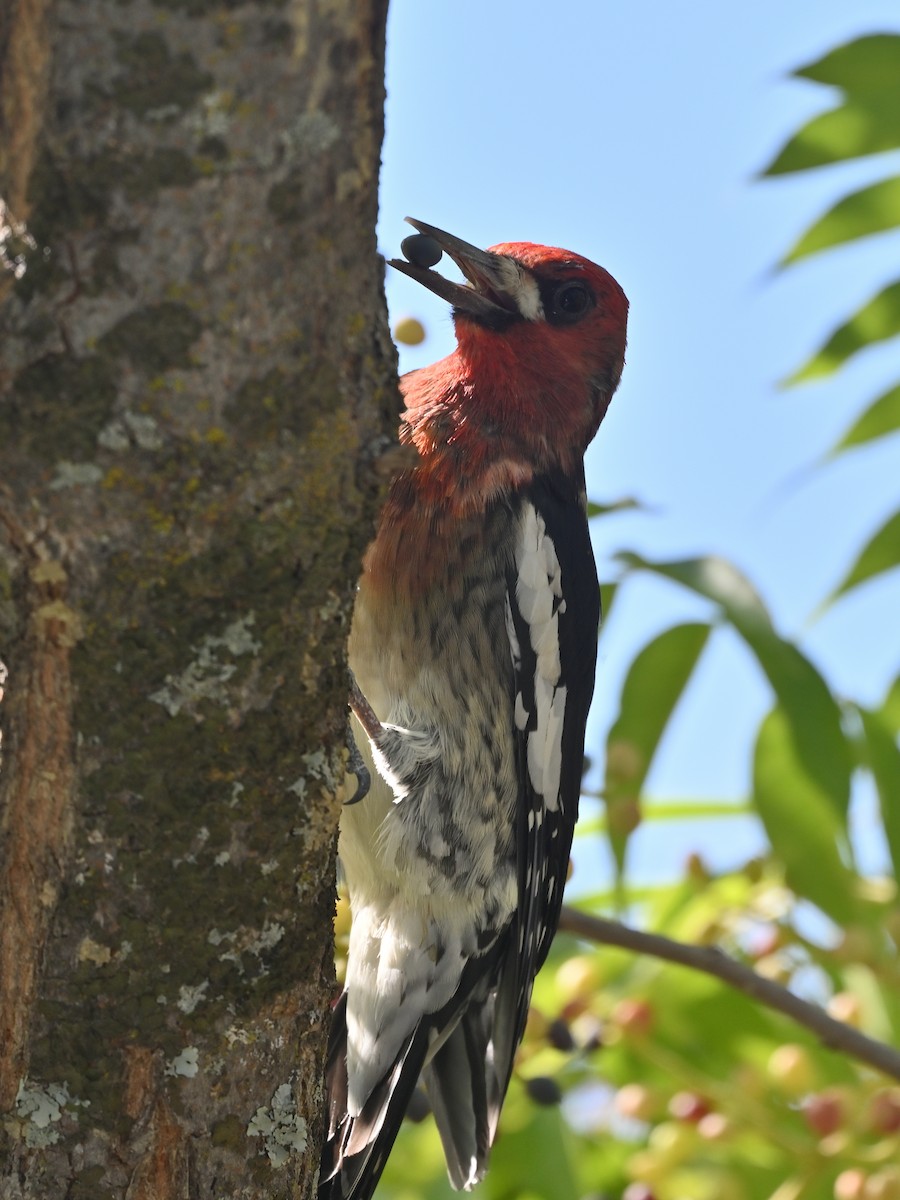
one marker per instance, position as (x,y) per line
(473,647)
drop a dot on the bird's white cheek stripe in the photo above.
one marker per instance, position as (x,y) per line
(519,283)
(539,598)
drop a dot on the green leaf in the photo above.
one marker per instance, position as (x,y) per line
(802,692)
(695,810)
(535,1157)
(868,121)
(800,820)
(712,577)
(868,66)
(880,419)
(890,707)
(607,597)
(652,688)
(883,760)
(624,504)
(671,810)
(875,322)
(855,129)
(881,553)
(869,211)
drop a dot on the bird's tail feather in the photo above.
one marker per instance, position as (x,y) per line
(356,1148)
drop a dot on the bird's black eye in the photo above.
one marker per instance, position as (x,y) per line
(569,302)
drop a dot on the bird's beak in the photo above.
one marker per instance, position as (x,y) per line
(486,296)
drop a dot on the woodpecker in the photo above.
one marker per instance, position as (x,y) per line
(472,649)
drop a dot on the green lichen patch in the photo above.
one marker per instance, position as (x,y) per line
(58,405)
(154,338)
(155,79)
(271,402)
(229,1133)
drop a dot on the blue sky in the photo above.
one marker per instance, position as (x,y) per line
(633,133)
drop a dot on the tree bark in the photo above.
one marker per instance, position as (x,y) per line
(196,394)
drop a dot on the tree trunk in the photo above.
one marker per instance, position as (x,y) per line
(196,387)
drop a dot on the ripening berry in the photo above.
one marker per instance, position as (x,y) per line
(637,1191)
(849,1185)
(766,941)
(671,1142)
(883,1114)
(688,1106)
(587,1032)
(409,331)
(633,1016)
(421,250)
(883,1185)
(646,1167)
(637,1102)
(844,1006)
(824,1112)
(791,1069)
(714,1127)
(578,978)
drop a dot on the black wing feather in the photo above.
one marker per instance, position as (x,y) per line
(544,833)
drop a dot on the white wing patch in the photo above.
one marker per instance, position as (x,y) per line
(539,598)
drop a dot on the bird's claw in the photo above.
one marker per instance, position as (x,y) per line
(364,713)
(357,767)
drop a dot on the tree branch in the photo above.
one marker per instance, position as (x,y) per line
(834,1034)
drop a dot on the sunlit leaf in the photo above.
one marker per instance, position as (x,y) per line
(868,121)
(881,553)
(875,322)
(655,681)
(800,820)
(879,420)
(871,210)
(855,129)
(867,66)
(883,758)
(802,692)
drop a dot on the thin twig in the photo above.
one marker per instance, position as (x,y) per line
(834,1034)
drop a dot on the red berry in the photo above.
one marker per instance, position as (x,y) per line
(884,1110)
(824,1113)
(634,1017)
(688,1106)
